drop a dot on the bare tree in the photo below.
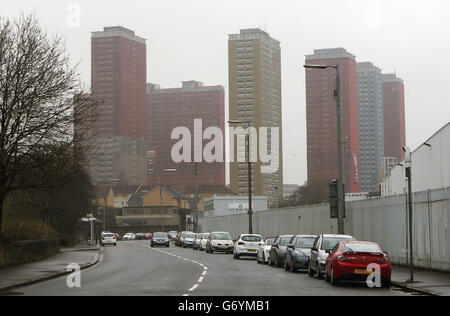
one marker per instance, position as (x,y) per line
(45,112)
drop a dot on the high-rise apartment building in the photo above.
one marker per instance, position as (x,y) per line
(179,107)
(118,83)
(254,60)
(323,162)
(371,125)
(394,116)
(118,78)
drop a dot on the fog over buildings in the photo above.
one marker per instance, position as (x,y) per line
(188,41)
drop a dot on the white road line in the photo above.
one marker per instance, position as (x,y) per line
(193,288)
(202,278)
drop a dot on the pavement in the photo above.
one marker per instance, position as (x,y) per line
(25,274)
(134,268)
(425,282)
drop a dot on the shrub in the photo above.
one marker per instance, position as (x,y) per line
(24,229)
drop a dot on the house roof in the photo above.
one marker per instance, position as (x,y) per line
(138,197)
(210,189)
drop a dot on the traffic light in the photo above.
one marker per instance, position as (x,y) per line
(334,200)
(334,206)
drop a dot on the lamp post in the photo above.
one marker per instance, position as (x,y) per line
(250,206)
(341,183)
(106,203)
(408,173)
(197,196)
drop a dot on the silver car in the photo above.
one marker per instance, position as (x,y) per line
(320,250)
(203,241)
(264,250)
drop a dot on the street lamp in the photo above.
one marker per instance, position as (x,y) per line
(197,195)
(105,206)
(341,183)
(408,173)
(250,206)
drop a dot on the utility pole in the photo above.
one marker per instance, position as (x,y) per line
(250,202)
(341,182)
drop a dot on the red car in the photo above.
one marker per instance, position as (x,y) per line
(148,235)
(349,261)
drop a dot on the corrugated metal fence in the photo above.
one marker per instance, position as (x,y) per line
(383,220)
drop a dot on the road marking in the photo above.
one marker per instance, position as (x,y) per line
(202,278)
(193,288)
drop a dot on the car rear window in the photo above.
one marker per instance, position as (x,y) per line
(252,238)
(331,242)
(221,236)
(284,241)
(109,235)
(362,247)
(305,242)
(270,241)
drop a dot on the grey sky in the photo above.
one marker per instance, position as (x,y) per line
(188,40)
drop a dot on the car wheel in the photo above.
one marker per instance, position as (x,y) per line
(236,256)
(286,267)
(333,280)
(327,277)
(317,274)
(310,271)
(292,267)
(386,284)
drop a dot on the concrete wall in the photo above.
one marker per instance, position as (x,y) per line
(430,167)
(383,220)
(20,252)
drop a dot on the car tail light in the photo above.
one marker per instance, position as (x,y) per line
(342,258)
(241,243)
(385,259)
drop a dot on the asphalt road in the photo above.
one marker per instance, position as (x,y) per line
(133,268)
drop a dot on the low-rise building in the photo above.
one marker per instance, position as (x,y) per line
(232,205)
(430,167)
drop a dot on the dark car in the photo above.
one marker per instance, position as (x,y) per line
(160,239)
(140,236)
(277,253)
(186,239)
(298,252)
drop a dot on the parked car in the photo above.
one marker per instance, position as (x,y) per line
(118,237)
(129,236)
(148,236)
(197,240)
(319,252)
(277,252)
(298,252)
(173,234)
(219,242)
(247,245)
(349,261)
(186,239)
(108,239)
(264,250)
(160,239)
(140,236)
(203,241)
(177,239)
